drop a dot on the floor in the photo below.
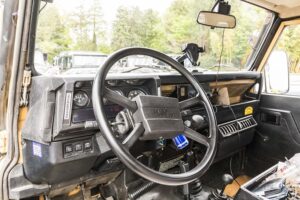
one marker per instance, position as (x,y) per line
(166,193)
(211,179)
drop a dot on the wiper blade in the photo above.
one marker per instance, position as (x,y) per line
(153,67)
(133,69)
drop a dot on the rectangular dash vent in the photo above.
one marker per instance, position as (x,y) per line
(236,126)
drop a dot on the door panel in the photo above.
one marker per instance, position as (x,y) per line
(277,134)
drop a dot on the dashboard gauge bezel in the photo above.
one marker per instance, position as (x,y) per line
(86,96)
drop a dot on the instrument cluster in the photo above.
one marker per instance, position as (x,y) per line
(82,99)
(82,109)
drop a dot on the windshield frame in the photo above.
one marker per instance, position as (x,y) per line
(265,33)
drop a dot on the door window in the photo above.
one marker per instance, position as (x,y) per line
(282,71)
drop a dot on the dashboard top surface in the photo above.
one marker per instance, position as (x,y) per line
(202,77)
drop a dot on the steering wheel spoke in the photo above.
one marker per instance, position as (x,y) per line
(119,99)
(197,137)
(134,135)
(190,102)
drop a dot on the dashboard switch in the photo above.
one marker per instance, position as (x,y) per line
(87,145)
(69,148)
(78,147)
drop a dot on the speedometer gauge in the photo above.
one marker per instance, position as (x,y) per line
(134,93)
(81,99)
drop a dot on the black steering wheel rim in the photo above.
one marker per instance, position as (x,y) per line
(122,152)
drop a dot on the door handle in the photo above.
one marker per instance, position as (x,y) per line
(271,118)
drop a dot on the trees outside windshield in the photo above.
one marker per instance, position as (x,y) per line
(106,26)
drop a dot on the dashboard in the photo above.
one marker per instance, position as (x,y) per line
(68,111)
(69,133)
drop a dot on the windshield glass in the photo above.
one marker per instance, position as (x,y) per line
(102,27)
(87,61)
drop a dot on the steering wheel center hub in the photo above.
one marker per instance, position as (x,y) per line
(160,116)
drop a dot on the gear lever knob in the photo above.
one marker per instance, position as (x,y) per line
(227,179)
(216,195)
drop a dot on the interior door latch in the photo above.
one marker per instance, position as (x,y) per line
(26,82)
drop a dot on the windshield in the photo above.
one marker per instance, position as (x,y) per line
(102,27)
(83,61)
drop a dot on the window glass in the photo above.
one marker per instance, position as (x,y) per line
(285,57)
(95,26)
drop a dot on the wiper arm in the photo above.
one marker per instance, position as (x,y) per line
(133,69)
(144,66)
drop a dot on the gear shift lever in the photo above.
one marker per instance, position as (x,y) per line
(215,195)
(227,179)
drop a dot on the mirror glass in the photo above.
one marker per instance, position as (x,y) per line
(216,20)
(277,73)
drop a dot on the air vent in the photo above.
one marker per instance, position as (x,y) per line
(236,126)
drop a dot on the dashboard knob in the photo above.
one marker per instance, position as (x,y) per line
(197,121)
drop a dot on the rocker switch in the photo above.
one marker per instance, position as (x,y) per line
(87,145)
(68,148)
(78,147)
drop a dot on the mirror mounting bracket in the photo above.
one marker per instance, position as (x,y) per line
(221,7)
(191,51)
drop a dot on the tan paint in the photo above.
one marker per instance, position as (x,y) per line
(21,120)
(3,142)
(232,82)
(74,191)
(285,8)
(274,41)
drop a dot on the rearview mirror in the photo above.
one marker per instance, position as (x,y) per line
(216,20)
(277,73)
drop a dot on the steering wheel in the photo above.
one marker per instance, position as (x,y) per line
(154,117)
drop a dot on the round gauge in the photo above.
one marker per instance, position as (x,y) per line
(80,99)
(134,93)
